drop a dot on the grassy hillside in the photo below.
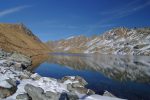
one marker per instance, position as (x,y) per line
(16,37)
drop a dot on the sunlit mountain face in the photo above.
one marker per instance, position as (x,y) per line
(118,41)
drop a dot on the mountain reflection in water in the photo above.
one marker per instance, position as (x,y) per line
(124,76)
(134,68)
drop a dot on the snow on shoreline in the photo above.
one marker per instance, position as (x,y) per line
(23,77)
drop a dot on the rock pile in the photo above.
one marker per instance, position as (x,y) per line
(16,83)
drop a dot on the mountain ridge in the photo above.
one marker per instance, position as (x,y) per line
(122,41)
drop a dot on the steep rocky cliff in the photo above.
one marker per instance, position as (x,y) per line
(121,41)
(17,37)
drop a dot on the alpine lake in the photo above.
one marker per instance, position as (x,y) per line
(125,77)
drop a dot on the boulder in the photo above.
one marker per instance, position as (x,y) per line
(81,80)
(30,88)
(7,63)
(20,65)
(20,58)
(49,94)
(27,72)
(77,80)
(83,90)
(36,93)
(24,77)
(68,96)
(3,54)
(12,81)
(72,96)
(5,92)
(69,87)
(17,68)
(53,95)
(64,96)
(23,97)
(74,85)
(65,78)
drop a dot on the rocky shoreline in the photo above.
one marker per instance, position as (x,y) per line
(17,83)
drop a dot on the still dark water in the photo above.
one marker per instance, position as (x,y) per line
(124,76)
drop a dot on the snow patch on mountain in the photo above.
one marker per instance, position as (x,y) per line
(70,37)
(122,41)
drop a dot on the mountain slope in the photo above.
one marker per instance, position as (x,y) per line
(16,37)
(121,41)
(71,44)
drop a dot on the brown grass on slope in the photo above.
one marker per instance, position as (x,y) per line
(16,37)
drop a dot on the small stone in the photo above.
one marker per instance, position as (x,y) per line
(17,68)
(83,90)
(106,93)
(18,65)
(90,92)
(27,72)
(74,85)
(35,76)
(24,77)
(65,79)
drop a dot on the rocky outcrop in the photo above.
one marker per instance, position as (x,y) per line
(120,41)
(18,38)
(16,83)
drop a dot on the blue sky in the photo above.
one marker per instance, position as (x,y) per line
(59,19)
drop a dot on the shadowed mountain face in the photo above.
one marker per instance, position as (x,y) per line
(16,37)
(121,41)
(122,68)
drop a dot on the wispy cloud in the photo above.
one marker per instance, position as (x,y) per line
(13,10)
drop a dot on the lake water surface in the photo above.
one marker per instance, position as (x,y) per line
(124,76)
